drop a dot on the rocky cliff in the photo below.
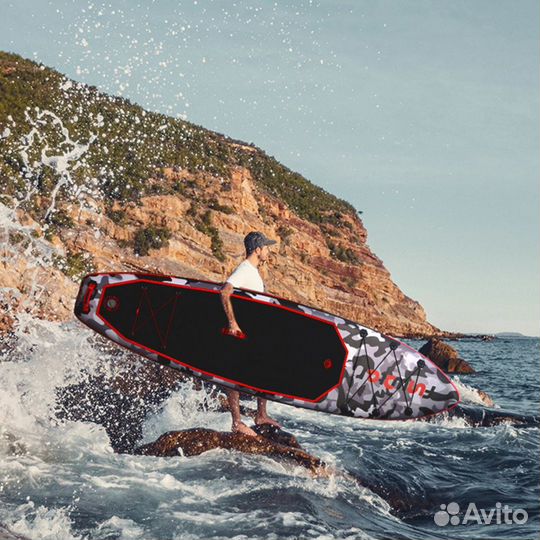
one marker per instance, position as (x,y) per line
(60,219)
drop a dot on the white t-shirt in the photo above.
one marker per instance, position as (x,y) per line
(246,276)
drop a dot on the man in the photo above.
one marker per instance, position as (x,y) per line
(246,276)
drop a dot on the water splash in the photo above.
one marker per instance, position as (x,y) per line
(40,522)
(50,155)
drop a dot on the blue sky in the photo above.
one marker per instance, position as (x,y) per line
(423,114)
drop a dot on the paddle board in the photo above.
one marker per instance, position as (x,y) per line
(290,353)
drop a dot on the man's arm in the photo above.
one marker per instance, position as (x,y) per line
(226,292)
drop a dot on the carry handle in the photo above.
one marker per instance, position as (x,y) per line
(238,335)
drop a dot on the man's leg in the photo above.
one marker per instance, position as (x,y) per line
(262,417)
(233,397)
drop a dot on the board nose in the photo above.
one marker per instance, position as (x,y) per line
(86,294)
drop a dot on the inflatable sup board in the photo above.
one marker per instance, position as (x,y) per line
(289,353)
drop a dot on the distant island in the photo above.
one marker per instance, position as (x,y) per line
(513,335)
(499,335)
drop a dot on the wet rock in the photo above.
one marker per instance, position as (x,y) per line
(278,444)
(486,417)
(446,357)
(120,403)
(270,441)
(276,435)
(96,401)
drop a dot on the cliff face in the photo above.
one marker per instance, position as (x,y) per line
(301,266)
(195,196)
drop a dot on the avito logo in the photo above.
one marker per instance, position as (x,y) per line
(449,514)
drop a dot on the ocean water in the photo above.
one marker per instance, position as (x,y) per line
(62,480)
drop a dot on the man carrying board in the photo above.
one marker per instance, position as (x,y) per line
(246,276)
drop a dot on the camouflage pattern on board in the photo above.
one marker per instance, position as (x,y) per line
(383,378)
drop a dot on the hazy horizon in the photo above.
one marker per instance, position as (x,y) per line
(424,116)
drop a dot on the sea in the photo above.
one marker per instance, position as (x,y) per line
(61,480)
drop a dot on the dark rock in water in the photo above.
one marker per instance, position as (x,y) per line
(119,403)
(95,400)
(276,435)
(445,357)
(271,441)
(486,417)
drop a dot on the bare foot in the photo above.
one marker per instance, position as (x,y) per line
(240,427)
(266,420)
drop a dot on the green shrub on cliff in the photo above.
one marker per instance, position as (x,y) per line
(346,255)
(75,264)
(204,224)
(151,237)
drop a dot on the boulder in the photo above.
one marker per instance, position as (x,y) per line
(270,441)
(120,403)
(446,357)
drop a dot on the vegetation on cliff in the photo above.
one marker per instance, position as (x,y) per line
(61,138)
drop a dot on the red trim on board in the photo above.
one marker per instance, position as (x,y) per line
(207,373)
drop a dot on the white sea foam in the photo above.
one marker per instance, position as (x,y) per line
(40,522)
(121,529)
(468,393)
(184,409)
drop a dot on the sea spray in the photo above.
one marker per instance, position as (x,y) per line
(49,145)
(40,522)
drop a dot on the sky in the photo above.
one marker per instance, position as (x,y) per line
(422,114)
